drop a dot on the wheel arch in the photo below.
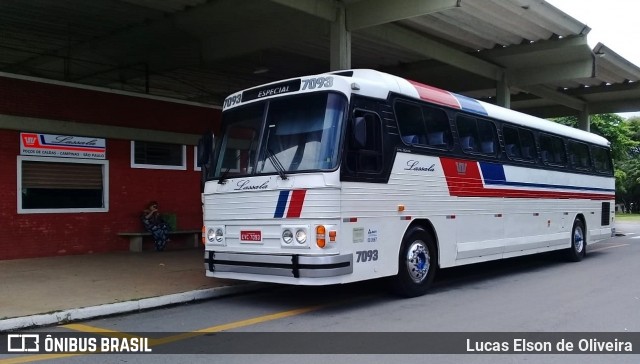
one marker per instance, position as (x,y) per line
(583,220)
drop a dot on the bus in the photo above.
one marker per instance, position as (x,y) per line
(358,174)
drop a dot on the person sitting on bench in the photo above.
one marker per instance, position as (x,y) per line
(154,224)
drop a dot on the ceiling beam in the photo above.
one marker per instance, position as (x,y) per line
(320,8)
(551,73)
(431,49)
(528,54)
(557,97)
(606,89)
(369,13)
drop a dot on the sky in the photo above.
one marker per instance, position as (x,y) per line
(613,23)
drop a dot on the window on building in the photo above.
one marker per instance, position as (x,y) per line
(154,155)
(62,185)
(196,160)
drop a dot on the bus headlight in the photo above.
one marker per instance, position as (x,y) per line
(301,236)
(287,236)
(211,235)
(215,235)
(295,236)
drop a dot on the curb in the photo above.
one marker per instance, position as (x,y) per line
(84,313)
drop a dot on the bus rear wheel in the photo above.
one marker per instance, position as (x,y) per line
(417,264)
(578,248)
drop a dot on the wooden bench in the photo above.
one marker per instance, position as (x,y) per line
(135,238)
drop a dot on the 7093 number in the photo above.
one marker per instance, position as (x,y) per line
(366,256)
(318,82)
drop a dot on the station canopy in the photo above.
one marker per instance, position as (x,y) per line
(524,54)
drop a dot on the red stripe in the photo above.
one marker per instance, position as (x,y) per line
(295,205)
(469,184)
(435,95)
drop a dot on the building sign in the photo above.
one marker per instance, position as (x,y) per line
(47,145)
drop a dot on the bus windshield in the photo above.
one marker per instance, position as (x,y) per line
(298,133)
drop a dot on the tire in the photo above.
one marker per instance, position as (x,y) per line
(417,264)
(578,248)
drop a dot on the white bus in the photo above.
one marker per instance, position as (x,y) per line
(358,174)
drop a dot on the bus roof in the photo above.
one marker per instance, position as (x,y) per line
(378,84)
(368,78)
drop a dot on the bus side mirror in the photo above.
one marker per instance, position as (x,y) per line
(359,135)
(205,147)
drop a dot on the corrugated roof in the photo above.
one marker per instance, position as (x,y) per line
(203,50)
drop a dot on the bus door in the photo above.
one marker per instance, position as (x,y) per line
(365,202)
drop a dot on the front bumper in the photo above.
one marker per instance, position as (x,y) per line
(296,266)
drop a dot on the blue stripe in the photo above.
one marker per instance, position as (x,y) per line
(282,204)
(493,174)
(471,105)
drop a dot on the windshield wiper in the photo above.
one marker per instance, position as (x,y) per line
(223,176)
(276,164)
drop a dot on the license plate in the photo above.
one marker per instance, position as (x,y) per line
(251,236)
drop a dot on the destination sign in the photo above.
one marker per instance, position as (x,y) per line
(271,90)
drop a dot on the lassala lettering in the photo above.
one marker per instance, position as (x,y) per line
(69,140)
(414,166)
(244,185)
(273,91)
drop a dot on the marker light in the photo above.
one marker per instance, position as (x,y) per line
(332,235)
(320,236)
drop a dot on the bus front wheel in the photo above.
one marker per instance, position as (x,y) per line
(578,248)
(417,264)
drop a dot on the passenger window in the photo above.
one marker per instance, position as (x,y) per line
(468,133)
(487,132)
(410,123)
(552,150)
(477,135)
(601,160)
(423,126)
(579,155)
(519,143)
(528,144)
(438,129)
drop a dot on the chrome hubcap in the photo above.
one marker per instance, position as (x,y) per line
(418,261)
(578,239)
